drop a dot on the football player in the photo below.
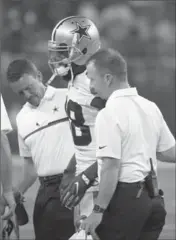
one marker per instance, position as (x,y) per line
(73,41)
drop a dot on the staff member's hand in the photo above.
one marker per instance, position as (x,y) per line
(10,203)
(11,225)
(91,223)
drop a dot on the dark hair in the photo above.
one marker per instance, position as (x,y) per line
(111,60)
(18,68)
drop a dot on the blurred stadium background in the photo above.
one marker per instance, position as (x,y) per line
(143,31)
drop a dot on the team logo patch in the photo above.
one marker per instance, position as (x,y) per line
(55,109)
(82,31)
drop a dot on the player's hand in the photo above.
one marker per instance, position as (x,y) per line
(9,201)
(20,211)
(66,180)
(73,194)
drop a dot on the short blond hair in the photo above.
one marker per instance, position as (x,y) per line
(111,60)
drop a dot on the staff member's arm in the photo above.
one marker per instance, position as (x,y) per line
(108,141)
(6,162)
(29,172)
(6,174)
(166,142)
(29,176)
(108,183)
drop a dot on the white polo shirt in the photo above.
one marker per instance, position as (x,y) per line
(5,122)
(132,129)
(44,133)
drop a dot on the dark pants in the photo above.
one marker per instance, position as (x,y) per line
(51,220)
(130,218)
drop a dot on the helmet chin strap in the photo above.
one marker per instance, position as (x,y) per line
(72,76)
(61,71)
(51,79)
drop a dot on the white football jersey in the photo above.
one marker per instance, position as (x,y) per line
(82,120)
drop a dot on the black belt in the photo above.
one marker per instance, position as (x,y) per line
(54,179)
(134,184)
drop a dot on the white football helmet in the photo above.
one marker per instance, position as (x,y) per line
(73,40)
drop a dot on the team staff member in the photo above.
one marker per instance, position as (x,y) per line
(129,131)
(6,166)
(45,143)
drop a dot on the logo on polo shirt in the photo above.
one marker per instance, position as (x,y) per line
(55,109)
(101,147)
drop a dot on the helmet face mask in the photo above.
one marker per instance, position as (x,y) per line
(61,57)
(58,60)
(74,39)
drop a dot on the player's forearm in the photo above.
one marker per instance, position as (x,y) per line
(71,168)
(29,177)
(6,164)
(92,172)
(108,181)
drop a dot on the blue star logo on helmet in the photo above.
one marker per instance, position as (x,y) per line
(82,31)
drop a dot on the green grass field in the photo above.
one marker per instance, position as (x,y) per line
(166,181)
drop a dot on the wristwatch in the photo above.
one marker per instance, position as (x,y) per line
(98,209)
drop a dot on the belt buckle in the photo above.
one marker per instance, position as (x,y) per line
(51,178)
